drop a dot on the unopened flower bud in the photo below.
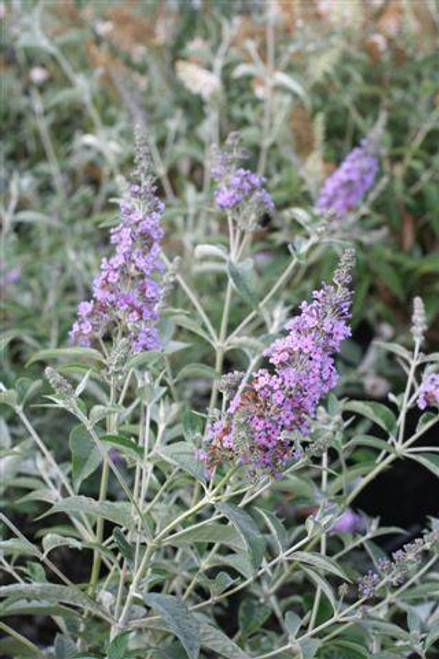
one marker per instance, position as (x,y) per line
(419,320)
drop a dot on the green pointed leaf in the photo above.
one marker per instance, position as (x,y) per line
(53,540)
(119,512)
(373,442)
(118,647)
(27,389)
(321,583)
(426,418)
(396,349)
(190,324)
(222,582)
(252,616)
(248,530)
(214,639)
(179,619)
(239,562)
(276,528)
(428,460)
(292,623)
(123,444)
(86,456)
(241,275)
(309,647)
(183,454)
(88,354)
(376,412)
(123,545)
(64,647)
(18,546)
(49,592)
(211,532)
(318,561)
(21,607)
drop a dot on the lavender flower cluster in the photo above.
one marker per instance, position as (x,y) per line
(240,190)
(429,391)
(127,291)
(241,185)
(346,187)
(273,409)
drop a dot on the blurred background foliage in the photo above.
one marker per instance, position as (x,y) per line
(303,81)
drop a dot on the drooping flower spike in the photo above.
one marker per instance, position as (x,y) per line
(128,289)
(273,409)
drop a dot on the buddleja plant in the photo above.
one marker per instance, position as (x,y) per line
(191,546)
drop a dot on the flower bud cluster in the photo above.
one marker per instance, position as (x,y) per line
(62,388)
(396,571)
(229,383)
(419,320)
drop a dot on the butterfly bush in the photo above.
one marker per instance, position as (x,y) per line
(127,292)
(346,187)
(272,410)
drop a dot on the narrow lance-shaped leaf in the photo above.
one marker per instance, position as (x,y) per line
(241,275)
(119,512)
(88,354)
(49,592)
(428,460)
(86,457)
(318,561)
(276,528)
(183,454)
(376,412)
(248,530)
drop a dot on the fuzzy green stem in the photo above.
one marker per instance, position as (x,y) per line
(405,402)
(99,531)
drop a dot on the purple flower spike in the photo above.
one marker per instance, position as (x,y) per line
(128,289)
(276,405)
(346,187)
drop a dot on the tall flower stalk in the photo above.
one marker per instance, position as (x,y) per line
(128,289)
(273,409)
